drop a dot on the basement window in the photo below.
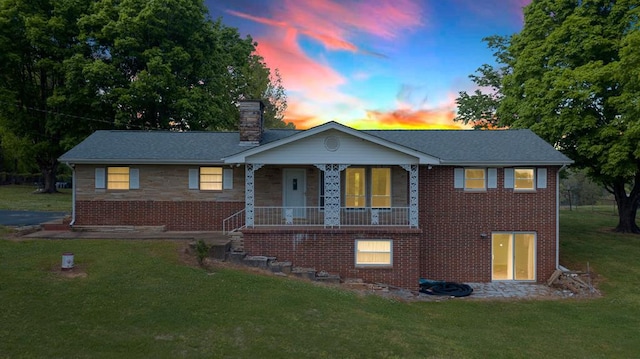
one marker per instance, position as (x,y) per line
(374,253)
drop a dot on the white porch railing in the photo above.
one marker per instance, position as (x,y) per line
(234,222)
(314,216)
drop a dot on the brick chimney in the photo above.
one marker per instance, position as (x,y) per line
(251,122)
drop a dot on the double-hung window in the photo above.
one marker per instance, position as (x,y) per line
(118,178)
(211,178)
(524,179)
(474,179)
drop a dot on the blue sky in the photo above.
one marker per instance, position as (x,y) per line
(373,64)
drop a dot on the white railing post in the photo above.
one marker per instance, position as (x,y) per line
(249,193)
(413,194)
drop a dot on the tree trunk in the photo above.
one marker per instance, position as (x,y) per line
(49,170)
(627,209)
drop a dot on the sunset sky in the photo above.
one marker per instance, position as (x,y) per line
(373,64)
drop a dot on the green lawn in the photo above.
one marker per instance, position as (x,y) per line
(26,198)
(139,299)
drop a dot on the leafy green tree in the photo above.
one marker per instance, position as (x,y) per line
(571,75)
(576,189)
(69,67)
(36,37)
(480,107)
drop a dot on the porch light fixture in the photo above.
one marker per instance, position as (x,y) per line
(484,235)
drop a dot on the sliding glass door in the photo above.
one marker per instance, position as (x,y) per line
(513,256)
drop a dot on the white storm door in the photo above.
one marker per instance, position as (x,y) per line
(294,193)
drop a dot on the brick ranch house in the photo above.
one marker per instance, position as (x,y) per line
(388,206)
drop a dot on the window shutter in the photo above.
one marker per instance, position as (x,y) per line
(100,178)
(542,178)
(134,178)
(194,179)
(508,178)
(227,178)
(492,178)
(458,180)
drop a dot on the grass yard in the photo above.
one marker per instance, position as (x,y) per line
(15,197)
(140,299)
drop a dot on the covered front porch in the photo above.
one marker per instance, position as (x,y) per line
(328,195)
(330,176)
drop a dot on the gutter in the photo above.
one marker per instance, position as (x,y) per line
(558,217)
(73,193)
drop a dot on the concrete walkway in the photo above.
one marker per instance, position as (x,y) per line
(513,290)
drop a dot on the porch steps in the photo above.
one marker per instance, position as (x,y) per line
(57,225)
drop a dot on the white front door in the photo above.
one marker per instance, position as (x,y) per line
(293,192)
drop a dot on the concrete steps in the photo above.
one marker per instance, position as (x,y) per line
(281,267)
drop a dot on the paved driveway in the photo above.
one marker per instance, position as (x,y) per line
(27,218)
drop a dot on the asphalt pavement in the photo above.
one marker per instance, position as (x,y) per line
(27,218)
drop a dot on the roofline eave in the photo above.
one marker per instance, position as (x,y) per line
(106,161)
(506,163)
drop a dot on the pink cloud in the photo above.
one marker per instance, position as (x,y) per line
(313,86)
(333,23)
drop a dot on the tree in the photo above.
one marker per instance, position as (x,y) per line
(576,189)
(480,108)
(35,40)
(69,67)
(572,77)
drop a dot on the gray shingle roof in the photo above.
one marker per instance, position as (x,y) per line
(160,147)
(471,147)
(459,147)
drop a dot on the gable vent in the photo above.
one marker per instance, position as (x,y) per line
(332,143)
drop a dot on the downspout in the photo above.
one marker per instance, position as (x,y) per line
(73,194)
(558,216)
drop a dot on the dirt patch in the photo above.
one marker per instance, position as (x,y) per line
(78,271)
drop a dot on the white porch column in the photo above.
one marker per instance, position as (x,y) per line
(249,192)
(331,193)
(413,194)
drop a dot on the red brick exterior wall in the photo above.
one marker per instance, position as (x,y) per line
(452,221)
(447,245)
(175,215)
(333,250)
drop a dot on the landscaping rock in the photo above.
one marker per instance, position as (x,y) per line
(305,273)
